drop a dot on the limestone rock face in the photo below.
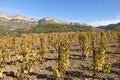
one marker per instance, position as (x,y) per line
(17,21)
(53,20)
(22,22)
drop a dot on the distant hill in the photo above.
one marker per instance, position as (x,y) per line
(20,24)
(62,22)
(55,27)
(17,22)
(115,27)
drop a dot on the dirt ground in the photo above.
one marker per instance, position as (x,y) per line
(78,68)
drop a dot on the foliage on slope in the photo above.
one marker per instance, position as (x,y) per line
(47,28)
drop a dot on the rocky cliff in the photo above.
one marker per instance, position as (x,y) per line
(22,22)
(53,20)
(13,22)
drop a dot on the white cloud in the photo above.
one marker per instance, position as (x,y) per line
(104,22)
(115,20)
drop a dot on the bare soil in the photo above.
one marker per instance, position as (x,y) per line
(78,69)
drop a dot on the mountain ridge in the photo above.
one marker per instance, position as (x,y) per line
(19,17)
(16,22)
(20,24)
(54,20)
(22,21)
(115,27)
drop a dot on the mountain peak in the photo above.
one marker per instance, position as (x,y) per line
(18,21)
(53,20)
(17,17)
(3,15)
(48,18)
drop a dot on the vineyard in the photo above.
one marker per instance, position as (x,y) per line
(61,56)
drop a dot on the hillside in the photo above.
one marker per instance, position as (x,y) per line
(115,27)
(51,27)
(17,22)
(16,25)
(22,22)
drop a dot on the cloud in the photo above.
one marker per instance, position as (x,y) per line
(10,11)
(104,22)
(115,20)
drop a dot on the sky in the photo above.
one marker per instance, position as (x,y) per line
(93,12)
